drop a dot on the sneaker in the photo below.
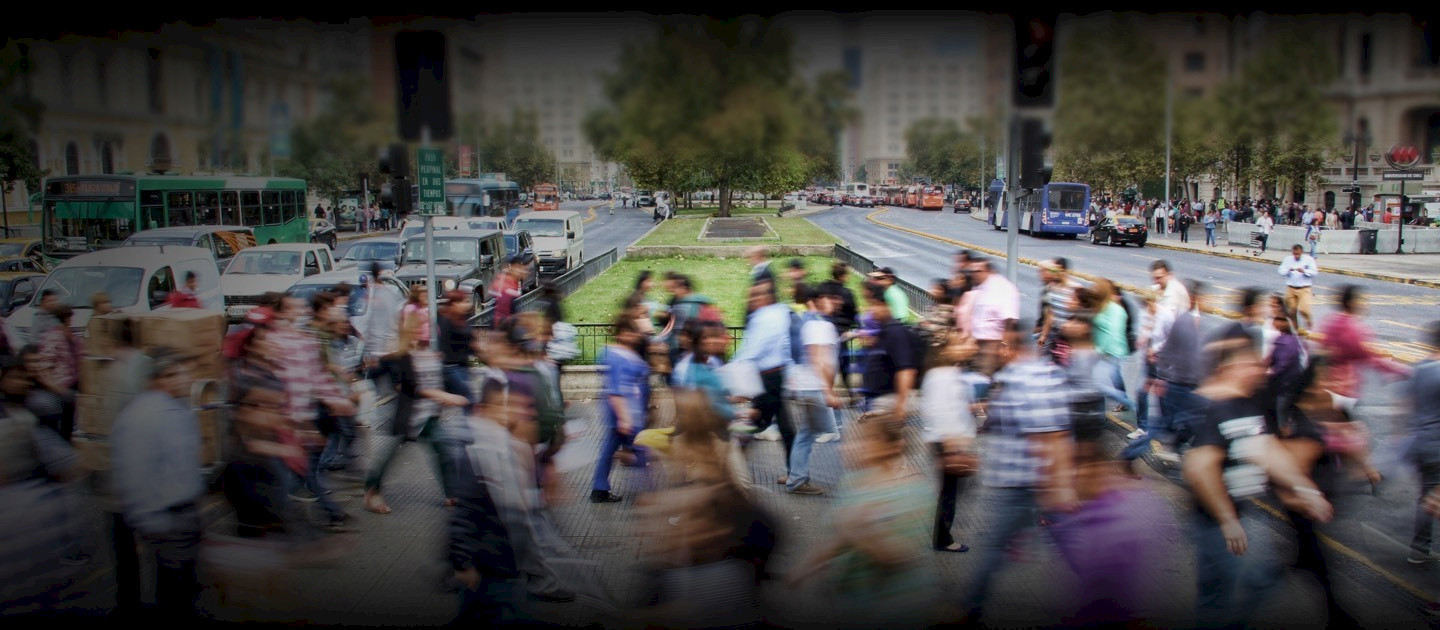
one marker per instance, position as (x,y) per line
(304,495)
(784,479)
(1135,434)
(827,437)
(770,434)
(805,488)
(1419,558)
(601,496)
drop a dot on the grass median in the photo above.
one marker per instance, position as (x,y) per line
(792,231)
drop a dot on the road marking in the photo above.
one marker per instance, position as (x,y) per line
(1238,273)
(1145,257)
(1405,325)
(591,212)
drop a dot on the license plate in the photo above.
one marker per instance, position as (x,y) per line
(238,312)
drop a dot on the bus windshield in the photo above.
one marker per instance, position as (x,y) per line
(447,250)
(541,227)
(76,285)
(465,206)
(75,227)
(1067,199)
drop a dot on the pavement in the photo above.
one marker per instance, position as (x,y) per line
(391,570)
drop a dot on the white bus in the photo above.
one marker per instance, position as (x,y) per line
(857,189)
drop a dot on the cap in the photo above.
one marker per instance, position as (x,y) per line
(261,316)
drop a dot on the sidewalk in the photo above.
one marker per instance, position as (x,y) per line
(1417,269)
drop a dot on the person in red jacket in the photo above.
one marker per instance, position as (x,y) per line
(187,296)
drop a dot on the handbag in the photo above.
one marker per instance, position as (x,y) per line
(1345,438)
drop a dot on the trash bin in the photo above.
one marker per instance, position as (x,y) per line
(1368,240)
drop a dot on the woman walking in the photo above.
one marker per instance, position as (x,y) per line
(623,406)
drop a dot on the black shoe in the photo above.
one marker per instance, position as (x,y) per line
(558,596)
(953,549)
(602,496)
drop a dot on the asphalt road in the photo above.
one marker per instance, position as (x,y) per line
(1370,534)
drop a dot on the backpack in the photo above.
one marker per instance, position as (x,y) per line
(797,346)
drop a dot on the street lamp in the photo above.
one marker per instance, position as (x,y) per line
(1359,137)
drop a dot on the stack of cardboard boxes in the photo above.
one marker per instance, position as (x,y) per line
(196,332)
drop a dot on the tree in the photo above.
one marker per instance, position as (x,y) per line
(19,119)
(1104,134)
(333,149)
(511,147)
(940,150)
(714,96)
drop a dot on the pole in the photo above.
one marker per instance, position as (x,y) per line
(1169,124)
(1012,239)
(430,259)
(1400,238)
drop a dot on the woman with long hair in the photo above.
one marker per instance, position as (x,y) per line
(421,389)
(1111,336)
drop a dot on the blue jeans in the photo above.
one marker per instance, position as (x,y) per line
(1209,235)
(1178,400)
(1228,587)
(1110,381)
(1015,510)
(1142,401)
(811,417)
(612,442)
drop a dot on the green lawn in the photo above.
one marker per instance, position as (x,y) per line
(735,210)
(724,280)
(793,231)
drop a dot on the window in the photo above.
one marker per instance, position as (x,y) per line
(223,248)
(310,262)
(1195,62)
(207,208)
(154,82)
(24,289)
(1365,56)
(107,159)
(159,288)
(180,209)
(270,201)
(250,207)
(206,242)
(290,208)
(152,210)
(230,208)
(1427,50)
(72,159)
(160,153)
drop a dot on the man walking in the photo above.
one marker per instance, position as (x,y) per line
(891,364)
(1179,369)
(1299,271)
(811,385)
(985,310)
(1267,227)
(154,446)
(767,345)
(894,295)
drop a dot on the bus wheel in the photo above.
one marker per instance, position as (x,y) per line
(272,242)
(331,241)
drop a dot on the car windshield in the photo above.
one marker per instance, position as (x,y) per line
(8,250)
(76,285)
(159,240)
(1128,222)
(265,263)
(449,250)
(512,243)
(372,251)
(541,227)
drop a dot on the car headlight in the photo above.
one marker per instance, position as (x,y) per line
(449,284)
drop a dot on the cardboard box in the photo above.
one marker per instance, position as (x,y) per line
(208,366)
(102,334)
(94,451)
(92,374)
(188,329)
(93,415)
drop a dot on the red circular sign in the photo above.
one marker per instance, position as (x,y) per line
(1403,156)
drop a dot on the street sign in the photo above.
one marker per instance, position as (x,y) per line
(999,167)
(1402,175)
(432,182)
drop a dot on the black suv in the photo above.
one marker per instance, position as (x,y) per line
(464,259)
(1119,230)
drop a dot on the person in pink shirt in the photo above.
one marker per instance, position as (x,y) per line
(983,311)
(1346,347)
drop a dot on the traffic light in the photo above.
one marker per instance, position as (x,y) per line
(1035,60)
(395,160)
(424,92)
(1034,145)
(402,196)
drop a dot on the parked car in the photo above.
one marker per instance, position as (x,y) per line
(643,199)
(22,263)
(381,250)
(17,288)
(359,304)
(19,246)
(1119,230)
(260,270)
(224,241)
(137,279)
(466,260)
(520,242)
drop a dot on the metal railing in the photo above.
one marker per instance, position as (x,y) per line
(920,298)
(565,284)
(592,338)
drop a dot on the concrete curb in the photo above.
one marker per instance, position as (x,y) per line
(728,251)
(1084,276)
(1342,272)
(355,236)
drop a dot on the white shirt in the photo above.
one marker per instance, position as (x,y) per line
(1299,273)
(945,405)
(1176,298)
(804,377)
(1266,225)
(1156,327)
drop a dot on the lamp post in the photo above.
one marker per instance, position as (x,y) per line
(1359,137)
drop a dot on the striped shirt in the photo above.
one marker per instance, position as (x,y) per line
(1024,404)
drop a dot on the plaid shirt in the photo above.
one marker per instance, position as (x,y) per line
(307,378)
(1029,399)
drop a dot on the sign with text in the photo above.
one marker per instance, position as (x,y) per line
(1403,175)
(465,161)
(432,182)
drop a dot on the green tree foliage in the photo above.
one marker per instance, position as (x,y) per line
(331,150)
(511,147)
(19,119)
(715,102)
(938,149)
(1110,117)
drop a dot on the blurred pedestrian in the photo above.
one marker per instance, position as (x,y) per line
(623,408)
(56,368)
(949,429)
(1424,452)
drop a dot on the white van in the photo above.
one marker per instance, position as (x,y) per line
(138,279)
(416,227)
(559,237)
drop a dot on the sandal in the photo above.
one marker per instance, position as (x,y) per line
(377,505)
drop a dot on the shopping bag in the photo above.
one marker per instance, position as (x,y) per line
(742,378)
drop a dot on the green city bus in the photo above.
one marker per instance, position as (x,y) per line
(482,198)
(86,213)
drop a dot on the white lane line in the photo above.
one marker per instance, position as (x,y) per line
(1404,325)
